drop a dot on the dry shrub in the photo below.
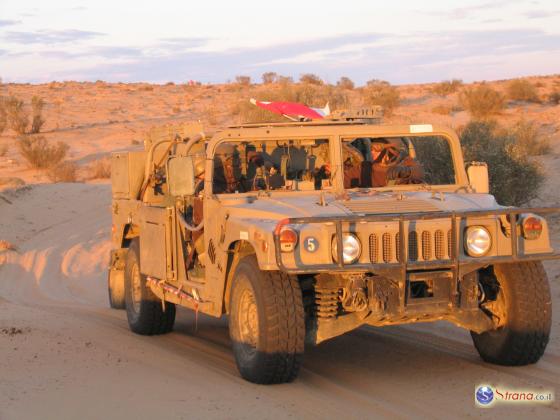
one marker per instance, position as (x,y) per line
(528,139)
(100,169)
(3,116)
(18,117)
(284,80)
(176,109)
(311,79)
(147,88)
(441,109)
(39,153)
(482,102)
(269,77)
(345,83)
(514,179)
(553,98)
(63,172)
(383,94)
(3,150)
(447,87)
(135,142)
(522,90)
(37,104)
(243,80)
(446,109)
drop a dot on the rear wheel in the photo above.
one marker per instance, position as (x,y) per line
(266,324)
(522,302)
(143,308)
(115,282)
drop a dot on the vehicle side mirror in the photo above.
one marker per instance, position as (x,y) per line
(478,177)
(180,175)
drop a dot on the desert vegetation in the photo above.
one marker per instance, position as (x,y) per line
(311,79)
(380,92)
(522,90)
(40,153)
(63,172)
(14,114)
(482,101)
(447,87)
(100,169)
(514,178)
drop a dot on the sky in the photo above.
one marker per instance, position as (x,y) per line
(213,41)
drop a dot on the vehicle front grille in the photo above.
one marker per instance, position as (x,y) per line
(422,246)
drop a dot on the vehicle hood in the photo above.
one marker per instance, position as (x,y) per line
(277,207)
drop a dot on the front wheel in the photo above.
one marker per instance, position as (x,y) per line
(266,323)
(522,297)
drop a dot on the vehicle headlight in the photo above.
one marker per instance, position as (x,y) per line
(477,241)
(351,248)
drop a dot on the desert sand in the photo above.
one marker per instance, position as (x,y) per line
(65,354)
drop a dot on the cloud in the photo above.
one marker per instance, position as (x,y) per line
(183,42)
(406,58)
(541,14)
(8,22)
(460,13)
(46,36)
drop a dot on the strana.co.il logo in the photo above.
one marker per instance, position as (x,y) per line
(487,396)
(484,395)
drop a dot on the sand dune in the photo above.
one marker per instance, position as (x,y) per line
(65,354)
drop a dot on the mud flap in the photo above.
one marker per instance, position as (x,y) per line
(115,278)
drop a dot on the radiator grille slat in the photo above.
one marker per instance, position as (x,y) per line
(425,246)
(387,249)
(413,246)
(439,245)
(373,248)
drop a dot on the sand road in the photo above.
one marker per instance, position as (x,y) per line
(64,354)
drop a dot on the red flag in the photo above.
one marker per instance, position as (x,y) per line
(294,110)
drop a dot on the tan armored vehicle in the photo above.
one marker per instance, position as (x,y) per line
(303,231)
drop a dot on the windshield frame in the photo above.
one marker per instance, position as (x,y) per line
(335,133)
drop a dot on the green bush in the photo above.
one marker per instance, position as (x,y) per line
(522,90)
(39,153)
(482,102)
(514,179)
(447,87)
(383,94)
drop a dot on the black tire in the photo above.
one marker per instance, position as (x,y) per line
(115,286)
(145,312)
(524,336)
(274,350)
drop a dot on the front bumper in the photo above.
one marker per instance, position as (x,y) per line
(457,262)
(454,280)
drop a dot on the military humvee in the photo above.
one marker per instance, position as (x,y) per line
(303,231)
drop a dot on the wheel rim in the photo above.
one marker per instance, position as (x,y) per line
(248,322)
(136,288)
